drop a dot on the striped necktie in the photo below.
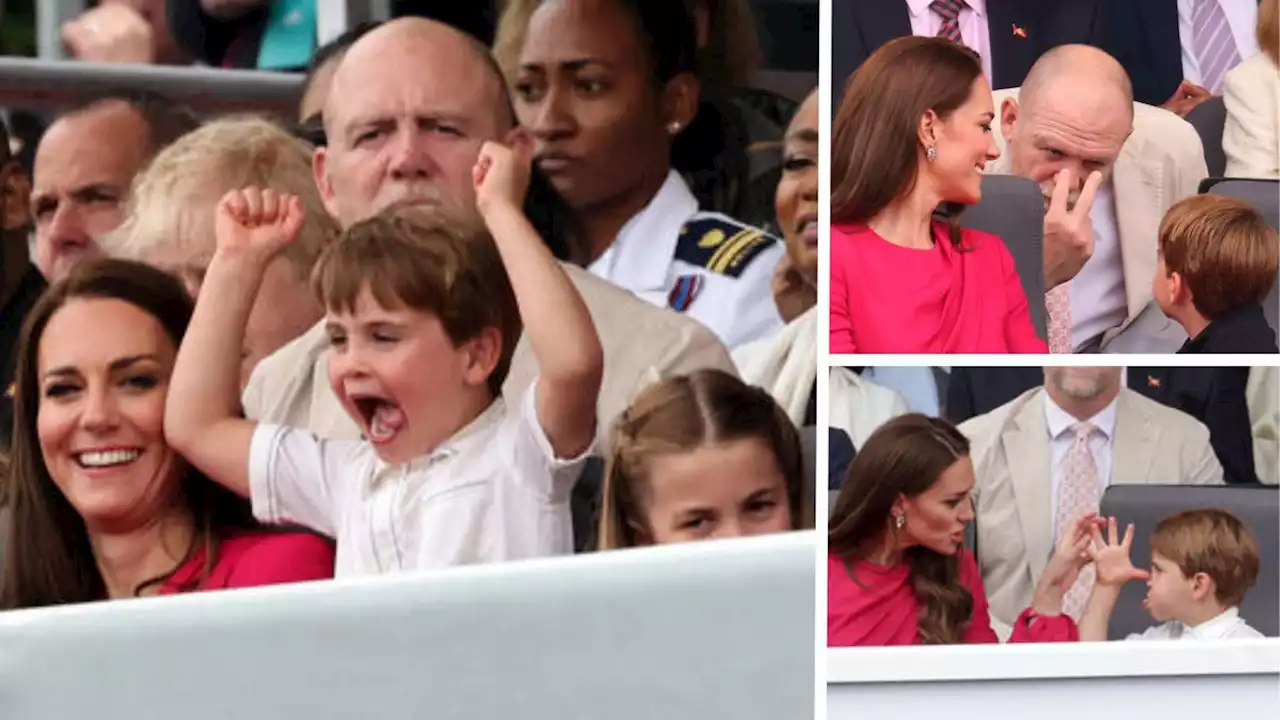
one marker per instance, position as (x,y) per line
(949,11)
(1214,44)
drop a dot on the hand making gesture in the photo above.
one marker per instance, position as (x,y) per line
(1111,558)
(501,176)
(1186,98)
(258,222)
(1069,558)
(1068,230)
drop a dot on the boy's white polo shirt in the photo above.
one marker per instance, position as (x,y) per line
(492,492)
(1226,626)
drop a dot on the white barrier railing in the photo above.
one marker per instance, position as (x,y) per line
(699,631)
(1237,679)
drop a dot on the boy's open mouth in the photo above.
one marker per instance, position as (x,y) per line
(382,418)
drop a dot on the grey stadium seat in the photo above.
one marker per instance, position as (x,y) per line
(1209,118)
(1265,196)
(1013,209)
(1147,505)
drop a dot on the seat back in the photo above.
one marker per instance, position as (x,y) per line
(1209,118)
(1012,208)
(1265,196)
(1147,505)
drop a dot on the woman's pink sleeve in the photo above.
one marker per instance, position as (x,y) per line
(1032,628)
(841,331)
(979,630)
(1020,332)
(1028,628)
(284,558)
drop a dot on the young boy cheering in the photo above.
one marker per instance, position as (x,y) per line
(423,315)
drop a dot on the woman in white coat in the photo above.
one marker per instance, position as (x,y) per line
(1251,91)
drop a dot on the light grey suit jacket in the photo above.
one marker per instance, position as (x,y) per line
(1161,163)
(1153,444)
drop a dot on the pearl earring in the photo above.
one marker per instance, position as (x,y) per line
(673,127)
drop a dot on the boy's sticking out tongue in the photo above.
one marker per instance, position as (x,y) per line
(386,421)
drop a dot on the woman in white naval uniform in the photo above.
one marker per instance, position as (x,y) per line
(605,87)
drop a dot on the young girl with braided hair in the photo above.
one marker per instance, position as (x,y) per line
(703,456)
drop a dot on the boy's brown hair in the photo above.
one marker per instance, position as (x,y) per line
(430,261)
(1224,250)
(1213,542)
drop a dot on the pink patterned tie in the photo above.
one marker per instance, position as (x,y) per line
(949,11)
(1078,492)
(1057,303)
(1214,44)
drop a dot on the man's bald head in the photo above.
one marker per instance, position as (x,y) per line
(1073,113)
(1077,72)
(409,107)
(416,44)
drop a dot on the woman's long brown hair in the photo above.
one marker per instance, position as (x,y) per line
(875,146)
(680,414)
(48,559)
(905,456)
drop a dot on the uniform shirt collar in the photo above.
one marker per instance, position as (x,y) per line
(647,242)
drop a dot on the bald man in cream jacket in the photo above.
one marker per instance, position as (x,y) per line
(1076,112)
(641,342)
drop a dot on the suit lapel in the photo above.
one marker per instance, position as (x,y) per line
(1026,447)
(1134,449)
(1011,54)
(1152,382)
(878,25)
(1160,21)
(1139,195)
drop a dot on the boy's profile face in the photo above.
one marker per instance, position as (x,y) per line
(400,377)
(1169,593)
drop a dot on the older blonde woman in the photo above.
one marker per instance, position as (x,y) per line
(1251,138)
(170,220)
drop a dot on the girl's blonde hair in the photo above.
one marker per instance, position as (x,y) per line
(681,414)
(181,187)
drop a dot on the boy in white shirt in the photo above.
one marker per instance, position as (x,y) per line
(423,320)
(1202,564)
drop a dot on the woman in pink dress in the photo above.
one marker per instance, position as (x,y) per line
(911,140)
(101,507)
(897,571)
